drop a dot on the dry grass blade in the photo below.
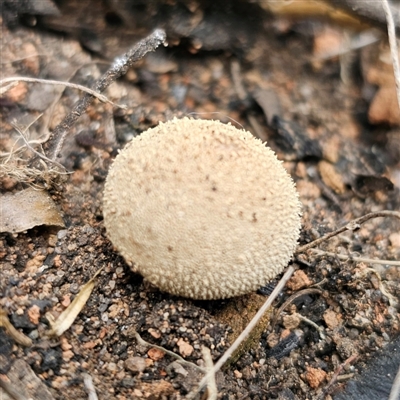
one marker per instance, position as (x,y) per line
(22,134)
(68,316)
(13,164)
(212,386)
(308,321)
(351,226)
(142,342)
(18,336)
(244,334)
(394,52)
(356,259)
(40,155)
(15,79)
(89,387)
(24,174)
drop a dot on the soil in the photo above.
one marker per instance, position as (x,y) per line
(261,77)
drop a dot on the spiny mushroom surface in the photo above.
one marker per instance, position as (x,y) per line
(201,209)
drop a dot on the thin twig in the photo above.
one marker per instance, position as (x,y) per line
(350,360)
(351,226)
(356,259)
(17,168)
(212,385)
(170,353)
(245,333)
(12,151)
(89,387)
(5,89)
(290,300)
(119,68)
(394,52)
(320,329)
(345,377)
(40,155)
(17,79)
(29,175)
(395,392)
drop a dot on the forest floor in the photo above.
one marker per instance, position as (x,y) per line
(343,166)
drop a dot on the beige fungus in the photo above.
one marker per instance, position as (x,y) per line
(201,209)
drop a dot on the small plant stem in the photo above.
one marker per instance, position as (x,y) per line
(394,52)
(119,68)
(356,259)
(351,226)
(142,342)
(245,333)
(17,79)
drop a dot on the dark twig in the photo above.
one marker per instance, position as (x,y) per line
(370,11)
(349,257)
(119,68)
(335,376)
(351,226)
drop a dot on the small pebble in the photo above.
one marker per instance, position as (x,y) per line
(135,364)
(34,334)
(315,376)
(111,284)
(112,367)
(238,374)
(61,234)
(155,354)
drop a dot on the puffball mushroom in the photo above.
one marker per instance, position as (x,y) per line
(201,209)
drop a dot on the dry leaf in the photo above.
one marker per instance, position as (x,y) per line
(68,316)
(26,209)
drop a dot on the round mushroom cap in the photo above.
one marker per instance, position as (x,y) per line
(201,209)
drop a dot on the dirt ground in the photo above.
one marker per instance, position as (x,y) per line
(255,70)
